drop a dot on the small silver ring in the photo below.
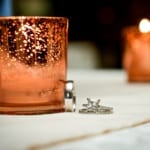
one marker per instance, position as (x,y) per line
(70,98)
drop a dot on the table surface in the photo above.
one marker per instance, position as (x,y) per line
(128,127)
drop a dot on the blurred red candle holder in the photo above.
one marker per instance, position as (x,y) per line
(136,52)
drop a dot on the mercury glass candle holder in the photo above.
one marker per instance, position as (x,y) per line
(33,64)
(136,55)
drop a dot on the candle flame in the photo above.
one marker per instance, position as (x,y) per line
(144,25)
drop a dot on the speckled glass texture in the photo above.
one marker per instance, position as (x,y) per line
(33,64)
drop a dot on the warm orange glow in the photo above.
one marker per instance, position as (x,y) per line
(144,25)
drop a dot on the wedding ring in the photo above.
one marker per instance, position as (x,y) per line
(93,107)
(70,98)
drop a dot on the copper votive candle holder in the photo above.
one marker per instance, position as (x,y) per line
(33,64)
(136,55)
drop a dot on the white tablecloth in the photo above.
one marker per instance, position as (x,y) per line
(127,128)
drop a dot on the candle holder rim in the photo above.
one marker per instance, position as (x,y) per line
(31,17)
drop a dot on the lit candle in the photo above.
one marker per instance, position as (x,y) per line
(144,25)
(136,56)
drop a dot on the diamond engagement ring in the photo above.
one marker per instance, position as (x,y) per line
(94,107)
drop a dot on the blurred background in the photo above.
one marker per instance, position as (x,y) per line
(95,26)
